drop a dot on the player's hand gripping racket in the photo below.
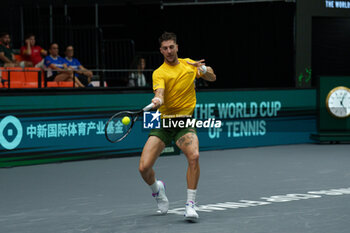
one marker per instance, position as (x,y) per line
(121,123)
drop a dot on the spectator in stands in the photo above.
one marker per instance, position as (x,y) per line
(7,57)
(31,52)
(137,78)
(84,75)
(57,69)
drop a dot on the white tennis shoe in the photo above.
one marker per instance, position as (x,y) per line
(190,212)
(161,199)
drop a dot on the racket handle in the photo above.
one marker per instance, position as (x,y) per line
(148,107)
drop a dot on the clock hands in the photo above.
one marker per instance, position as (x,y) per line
(341,102)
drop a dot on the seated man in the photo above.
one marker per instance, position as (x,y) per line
(57,69)
(7,58)
(84,75)
(31,52)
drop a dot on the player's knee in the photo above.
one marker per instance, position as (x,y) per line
(193,158)
(143,168)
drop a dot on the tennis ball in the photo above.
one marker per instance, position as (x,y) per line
(126,120)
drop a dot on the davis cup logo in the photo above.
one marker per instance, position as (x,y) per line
(11,132)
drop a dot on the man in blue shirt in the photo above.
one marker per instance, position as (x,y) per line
(57,69)
(83,74)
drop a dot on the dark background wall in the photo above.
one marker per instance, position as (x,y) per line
(330,46)
(249,45)
(308,56)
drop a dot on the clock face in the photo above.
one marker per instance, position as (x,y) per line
(338,102)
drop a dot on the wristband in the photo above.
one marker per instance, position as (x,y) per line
(204,69)
(160,100)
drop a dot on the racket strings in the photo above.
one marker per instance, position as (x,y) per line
(115,129)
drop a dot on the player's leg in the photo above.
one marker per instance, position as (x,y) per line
(151,151)
(189,145)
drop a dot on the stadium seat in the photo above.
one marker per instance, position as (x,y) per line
(31,77)
(28,78)
(13,85)
(17,77)
(4,73)
(1,74)
(66,84)
(30,85)
(52,84)
(17,85)
(60,84)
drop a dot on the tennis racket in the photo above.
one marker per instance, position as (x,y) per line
(116,130)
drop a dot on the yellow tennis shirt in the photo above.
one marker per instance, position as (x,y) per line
(179,88)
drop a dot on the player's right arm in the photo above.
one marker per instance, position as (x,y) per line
(158,88)
(158,99)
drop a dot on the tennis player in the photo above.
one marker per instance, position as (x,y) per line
(175,96)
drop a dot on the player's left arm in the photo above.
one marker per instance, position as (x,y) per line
(209,75)
(204,72)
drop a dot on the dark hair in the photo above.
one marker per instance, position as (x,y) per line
(52,44)
(2,34)
(69,46)
(28,36)
(167,36)
(136,62)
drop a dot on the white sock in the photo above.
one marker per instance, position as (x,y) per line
(191,195)
(154,187)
